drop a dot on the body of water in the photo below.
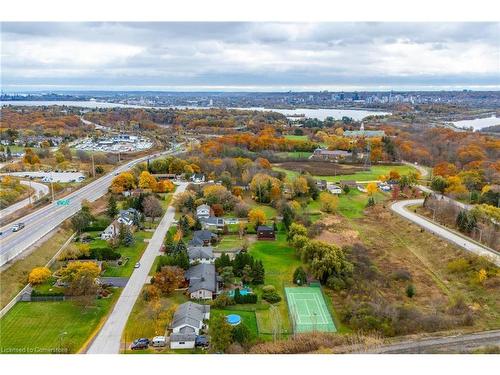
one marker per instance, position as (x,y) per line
(478,123)
(319,113)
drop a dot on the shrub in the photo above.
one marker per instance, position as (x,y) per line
(39,275)
(244,299)
(401,275)
(270,294)
(299,276)
(222,301)
(458,265)
(410,290)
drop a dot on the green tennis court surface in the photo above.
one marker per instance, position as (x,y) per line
(308,311)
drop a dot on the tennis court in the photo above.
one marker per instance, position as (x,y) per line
(308,311)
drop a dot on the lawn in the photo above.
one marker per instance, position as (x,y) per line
(353,204)
(268,210)
(133,253)
(247,317)
(229,242)
(297,137)
(15,277)
(45,327)
(279,263)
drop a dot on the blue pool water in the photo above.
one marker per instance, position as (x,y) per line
(243,292)
(233,319)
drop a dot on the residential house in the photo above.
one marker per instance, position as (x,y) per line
(335,155)
(265,232)
(127,216)
(321,184)
(203,211)
(203,238)
(201,254)
(112,231)
(212,223)
(203,281)
(183,340)
(192,315)
(334,189)
(197,178)
(350,183)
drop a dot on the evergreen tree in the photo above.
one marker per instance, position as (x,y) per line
(258,273)
(128,237)
(222,262)
(180,247)
(112,209)
(287,216)
(299,276)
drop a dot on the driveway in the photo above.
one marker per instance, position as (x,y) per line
(473,247)
(108,339)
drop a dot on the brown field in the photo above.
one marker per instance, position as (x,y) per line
(393,246)
(321,168)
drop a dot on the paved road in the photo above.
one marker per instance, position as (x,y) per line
(109,338)
(399,207)
(42,221)
(450,344)
(40,191)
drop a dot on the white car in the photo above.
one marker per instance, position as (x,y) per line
(137,265)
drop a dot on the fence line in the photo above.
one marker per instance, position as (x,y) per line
(27,287)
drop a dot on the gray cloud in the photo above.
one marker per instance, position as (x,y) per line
(281,55)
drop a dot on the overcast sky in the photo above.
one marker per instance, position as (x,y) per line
(250,56)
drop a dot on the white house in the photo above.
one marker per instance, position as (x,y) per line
(203,281)
(197,178)
(334,189)
(203,211)
(112,231)
(187,323)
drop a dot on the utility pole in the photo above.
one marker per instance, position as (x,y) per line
(31,191)
(93,166)
(52,186)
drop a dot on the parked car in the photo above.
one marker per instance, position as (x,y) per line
(137,265)
(141,343)
(17,227)
(201,341)
(159,341)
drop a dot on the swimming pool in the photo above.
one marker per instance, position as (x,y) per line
(233,319)
(243,292)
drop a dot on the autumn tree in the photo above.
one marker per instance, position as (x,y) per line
(371,188)
(168,279)
(151,207)
(220,333)
(328,202)
(257,217)
(147,181)
(30,157)
(123,182)
(39,275)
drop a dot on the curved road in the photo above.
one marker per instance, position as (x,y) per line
(44,220)
(473,247)
(109,337)
(40,191)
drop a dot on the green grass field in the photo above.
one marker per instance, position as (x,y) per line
(46,327)
(279,262)
(297,137)
(308,310)
(229,242)
(133,252)
(247,317)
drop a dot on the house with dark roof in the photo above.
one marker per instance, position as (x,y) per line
(265,232)
(212,223)
(200,254)
(322,154)
(203,238)
(197,178)
(203,281)
(190,315)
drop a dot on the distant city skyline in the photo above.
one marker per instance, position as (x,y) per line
(250,56)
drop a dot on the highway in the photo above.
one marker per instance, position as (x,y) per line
(108,339)
(40,191)
(400,207)
(44,220)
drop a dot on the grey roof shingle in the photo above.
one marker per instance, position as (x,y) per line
(202,276)
(200,252)
(189,313)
